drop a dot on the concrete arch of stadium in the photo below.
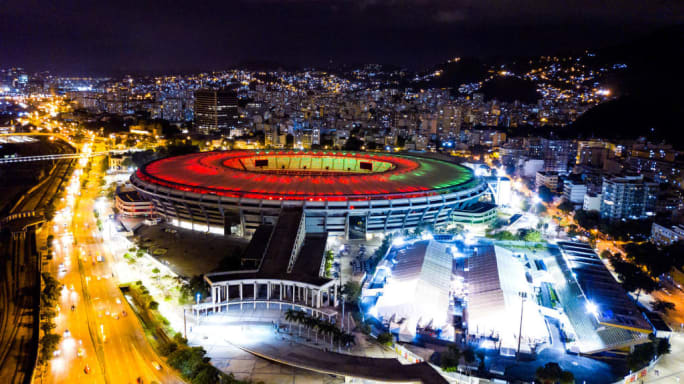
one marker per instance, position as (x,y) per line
(241,216)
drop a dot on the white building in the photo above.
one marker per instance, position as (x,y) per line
(547,179)
(592,202)
(661,235)
(574,192)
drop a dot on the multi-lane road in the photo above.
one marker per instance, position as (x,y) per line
(104,341)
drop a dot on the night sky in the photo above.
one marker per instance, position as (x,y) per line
(100,37)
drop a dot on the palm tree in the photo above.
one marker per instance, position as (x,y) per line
(290,316)
(336,337)
(309,323)
(317,324)
(347,339)
(328,329)
(299,318)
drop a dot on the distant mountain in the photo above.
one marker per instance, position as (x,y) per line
(455,73)
(650,91)
(510,89)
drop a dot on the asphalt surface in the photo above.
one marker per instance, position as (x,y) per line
(114,347)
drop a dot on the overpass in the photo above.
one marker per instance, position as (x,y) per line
(26,137)
(19,137)
(59,156)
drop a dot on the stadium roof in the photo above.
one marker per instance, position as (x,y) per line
(418,289)
(601,313)
(316,175)
(495,280)
(273,246)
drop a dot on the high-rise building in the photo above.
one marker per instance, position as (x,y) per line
(629,197)
(215,110)
(558,155)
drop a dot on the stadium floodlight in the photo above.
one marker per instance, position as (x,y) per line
(592,308)
(398,241)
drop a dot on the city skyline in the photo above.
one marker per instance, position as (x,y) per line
(341,191)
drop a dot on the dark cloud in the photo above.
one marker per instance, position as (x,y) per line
(101,36)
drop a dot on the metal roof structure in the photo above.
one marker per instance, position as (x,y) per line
(600,311)
(417,289)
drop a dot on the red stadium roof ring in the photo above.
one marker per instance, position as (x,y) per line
(312,175)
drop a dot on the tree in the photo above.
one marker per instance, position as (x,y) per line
(48,345)
(539,209)
(567,377)
(525,205)
(532,236)
(633,278)
(50,292)
(640,356)
(294,316)
(206,374)
(165,349)
(587,219)
(469,355)
(566,206)
(352,289)
(449,359)
(385,339)
(348,339)
(550,373)
(196,285)
(662,306)
(648,255)
(545,194)
(662,346)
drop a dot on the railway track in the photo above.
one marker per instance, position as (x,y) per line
(42,197)
(20,283)
(16,336)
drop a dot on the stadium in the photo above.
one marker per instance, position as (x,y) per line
(342,193)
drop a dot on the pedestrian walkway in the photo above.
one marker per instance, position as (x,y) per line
(265,342)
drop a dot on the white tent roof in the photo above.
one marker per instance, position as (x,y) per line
(495,279)
(418,288)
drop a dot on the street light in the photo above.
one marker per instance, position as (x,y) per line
(523,296)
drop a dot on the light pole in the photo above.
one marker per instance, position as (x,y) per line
(198,309)
(522,295)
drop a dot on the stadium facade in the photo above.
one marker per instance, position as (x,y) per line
(341,193)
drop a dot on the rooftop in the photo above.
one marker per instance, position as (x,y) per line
(130,197)
(600,311)
(274,248)
(316,175)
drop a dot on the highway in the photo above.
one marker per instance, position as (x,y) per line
(114,345)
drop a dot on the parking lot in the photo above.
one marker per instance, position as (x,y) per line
(187,252)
